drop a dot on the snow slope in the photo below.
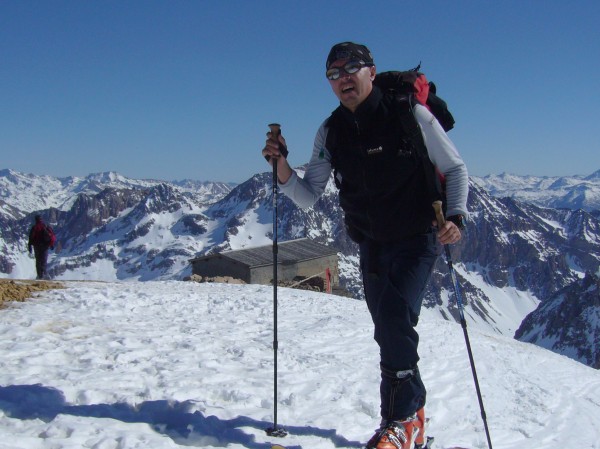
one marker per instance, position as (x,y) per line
(172,364)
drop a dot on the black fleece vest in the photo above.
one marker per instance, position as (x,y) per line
(380,163)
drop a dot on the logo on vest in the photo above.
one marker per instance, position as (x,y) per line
(372,151)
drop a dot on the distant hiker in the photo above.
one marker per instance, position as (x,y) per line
(386,193)
(41,238)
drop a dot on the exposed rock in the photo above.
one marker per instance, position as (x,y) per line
(20,290)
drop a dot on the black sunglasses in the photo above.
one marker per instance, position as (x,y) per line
(350,67)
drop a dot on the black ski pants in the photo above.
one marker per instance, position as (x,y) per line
(395,276)
(41,260)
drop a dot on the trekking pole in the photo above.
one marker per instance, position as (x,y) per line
(439,215)
(274,431)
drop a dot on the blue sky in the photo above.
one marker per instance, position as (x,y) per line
(184,89)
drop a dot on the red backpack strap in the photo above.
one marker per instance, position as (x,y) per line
(422,89)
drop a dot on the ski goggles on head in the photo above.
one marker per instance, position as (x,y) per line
(350,67)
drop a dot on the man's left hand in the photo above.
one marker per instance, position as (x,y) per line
(449,233)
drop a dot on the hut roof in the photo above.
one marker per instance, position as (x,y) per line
(288,252)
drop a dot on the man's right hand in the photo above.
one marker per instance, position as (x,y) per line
(276,150)
(275,147)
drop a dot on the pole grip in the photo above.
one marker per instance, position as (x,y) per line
(275,130)
(275,133)
(439,214)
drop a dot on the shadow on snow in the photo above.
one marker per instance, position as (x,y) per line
(170,418)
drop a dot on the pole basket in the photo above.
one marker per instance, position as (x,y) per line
(278,432)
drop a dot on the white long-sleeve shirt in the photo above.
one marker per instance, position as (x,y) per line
(442,153)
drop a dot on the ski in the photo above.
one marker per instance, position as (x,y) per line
(429,445)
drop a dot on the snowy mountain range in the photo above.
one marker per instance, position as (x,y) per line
(570,192)
(529,252)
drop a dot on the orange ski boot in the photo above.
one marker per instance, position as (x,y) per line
(395,435)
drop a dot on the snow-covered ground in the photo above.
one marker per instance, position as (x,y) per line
(172,364)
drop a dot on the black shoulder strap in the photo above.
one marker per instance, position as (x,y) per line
(403,106)
(409,124)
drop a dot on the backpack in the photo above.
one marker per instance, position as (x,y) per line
(413,85)
(48,236)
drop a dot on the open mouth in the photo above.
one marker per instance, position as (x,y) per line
(347,89)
